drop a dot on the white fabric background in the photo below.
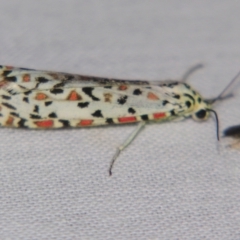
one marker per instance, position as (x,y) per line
(174,181)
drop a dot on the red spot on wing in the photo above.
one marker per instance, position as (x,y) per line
(127,119)
(122,87)
(44,123)
(152,96)
(41,96)
(74,96)
(159,115)
(26,78)
(85,122)
(9,122)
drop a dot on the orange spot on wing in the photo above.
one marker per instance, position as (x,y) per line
(41,96)
(3,83)
(122,87)
(9,122)
(127,119)
(152,96)
(26,78)
(74,96)
(44,123)
(86,122)
(159,115)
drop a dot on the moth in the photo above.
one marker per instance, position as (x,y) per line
(44,100)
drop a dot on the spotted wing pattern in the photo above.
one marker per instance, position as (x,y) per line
(42,99)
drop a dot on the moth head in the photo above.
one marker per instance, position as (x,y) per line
(201,115)
(201,112)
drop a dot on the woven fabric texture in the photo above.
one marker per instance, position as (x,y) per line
(175,181)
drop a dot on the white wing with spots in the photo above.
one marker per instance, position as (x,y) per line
(32,98)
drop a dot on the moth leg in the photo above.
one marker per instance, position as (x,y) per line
(190,71)
(125,144)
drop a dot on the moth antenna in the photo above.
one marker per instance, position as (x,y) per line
(190,71)
(217,121)
(221,95)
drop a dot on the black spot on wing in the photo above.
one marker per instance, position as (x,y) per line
(56,91)
(83,104)
(22,86)
(108,87)
(11,79)
(97,113)
(173,113)
(52,115)
(8,106)
(14,114)
(172,85)
(42,80)
(6,97)
(27,92)
(25,99)
(131,110)
(176,96)
(22,122)
(61,84)
(137,92)
(64,122)
(122,100)
(5,73)
(48,103)
(36,109)
(109,121)
(165,102)
(88,91)
(144,117)
(11,92)
(33,116)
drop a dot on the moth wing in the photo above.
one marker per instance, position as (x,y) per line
(17,80)
(98,102)
(69,98)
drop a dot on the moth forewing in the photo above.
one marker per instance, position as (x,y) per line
(44,100)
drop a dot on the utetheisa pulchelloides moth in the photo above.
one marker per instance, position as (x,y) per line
(44,99)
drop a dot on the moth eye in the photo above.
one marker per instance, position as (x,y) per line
(201,114)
